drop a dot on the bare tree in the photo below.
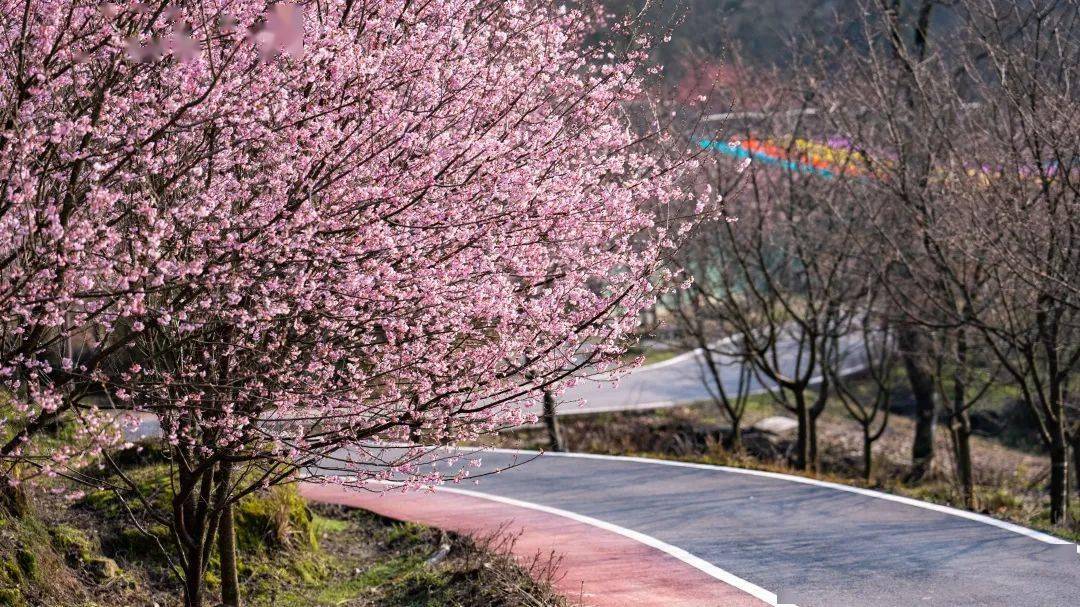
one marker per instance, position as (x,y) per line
(878,110)
(1025,219)
(780,276)
(715,339)
(868,402)
(969,154)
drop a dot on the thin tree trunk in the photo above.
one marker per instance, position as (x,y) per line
(1076,462)
(868,455)
(555,441)
(193,582)
(802,441)
(230,584)
(960,423)
(735,442)
(815,412)
(194,531)
(1059,448)
(961,430)
(1059,476)
(913,350)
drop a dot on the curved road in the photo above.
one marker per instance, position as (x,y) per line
(679,380)
(791,540)
(813,544)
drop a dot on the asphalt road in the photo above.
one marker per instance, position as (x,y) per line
(679,380)
(815,546)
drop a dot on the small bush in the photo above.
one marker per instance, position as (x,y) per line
(133,543)
(1000,501)
(274,519)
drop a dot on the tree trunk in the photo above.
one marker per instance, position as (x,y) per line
(230,585)
(1076,461)
(1059,476)
(802,442)
(960,428)
(913,351)
(960,422)
(868,455)
(193,528)
(193,582)
(555,441)
(735,441)
(815,412)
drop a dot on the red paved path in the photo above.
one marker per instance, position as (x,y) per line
(602,568)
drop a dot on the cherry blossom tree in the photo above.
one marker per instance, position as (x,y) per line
(300,235)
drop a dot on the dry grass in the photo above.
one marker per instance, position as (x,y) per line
(377,562)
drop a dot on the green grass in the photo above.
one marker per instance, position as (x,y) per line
(401,566)
(651,356)
(388,575)
(339,589)
(658,356)
(323,525)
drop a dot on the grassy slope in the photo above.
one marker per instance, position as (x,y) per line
(88,553)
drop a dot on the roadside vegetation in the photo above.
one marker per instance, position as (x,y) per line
(101,549)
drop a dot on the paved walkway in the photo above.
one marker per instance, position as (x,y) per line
(599,567)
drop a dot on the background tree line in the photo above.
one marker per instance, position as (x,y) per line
(923,220)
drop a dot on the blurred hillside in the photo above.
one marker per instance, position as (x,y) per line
(718,41)
(760,29)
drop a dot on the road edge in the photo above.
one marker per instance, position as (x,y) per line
(972,516)
(698,563)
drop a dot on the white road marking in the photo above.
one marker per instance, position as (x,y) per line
(971,516)
(697,563)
